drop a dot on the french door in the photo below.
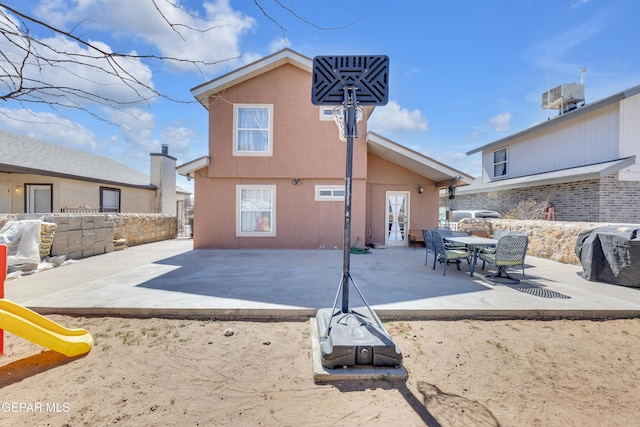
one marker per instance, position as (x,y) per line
(397,218)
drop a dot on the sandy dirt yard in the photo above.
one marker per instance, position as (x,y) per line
(159,372)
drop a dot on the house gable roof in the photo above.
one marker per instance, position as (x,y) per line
(21,154)
(285,56)
(560,119)
(391,151)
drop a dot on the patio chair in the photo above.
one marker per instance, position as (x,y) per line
(446,254)
(510,251)
(428,245)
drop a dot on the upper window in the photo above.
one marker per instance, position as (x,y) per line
(109,199)
(253,130)
(326,113)
(256,210)
(500,163)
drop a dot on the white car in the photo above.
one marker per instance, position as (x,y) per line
(457,216)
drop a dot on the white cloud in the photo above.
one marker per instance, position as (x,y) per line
(501,122)
(279,44)
(392,117)
(551,54)
(71,74)
(210,34)
(578,3)
(47,127)
(136,126)
(178,139)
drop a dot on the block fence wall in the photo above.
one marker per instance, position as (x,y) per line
(597,200)
(84,235)
(554,240)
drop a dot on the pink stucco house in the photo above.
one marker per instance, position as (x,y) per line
(274,173)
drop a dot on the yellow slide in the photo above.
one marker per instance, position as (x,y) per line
(39,330)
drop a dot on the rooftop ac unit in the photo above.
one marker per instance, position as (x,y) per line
(564,97)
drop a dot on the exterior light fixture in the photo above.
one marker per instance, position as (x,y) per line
(296,181)
(420,189)
(452,187)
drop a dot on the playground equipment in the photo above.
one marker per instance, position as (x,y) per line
(351,337)
(33,327)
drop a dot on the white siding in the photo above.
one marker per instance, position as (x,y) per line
(630,136)
(583,140)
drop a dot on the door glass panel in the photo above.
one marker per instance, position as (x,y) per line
(396,219)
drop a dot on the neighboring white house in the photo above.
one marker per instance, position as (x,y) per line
(585,161)
(41,177)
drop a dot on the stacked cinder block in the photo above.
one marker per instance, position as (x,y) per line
(81,235)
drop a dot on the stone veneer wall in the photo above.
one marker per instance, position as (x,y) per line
(84,235)
(554,240)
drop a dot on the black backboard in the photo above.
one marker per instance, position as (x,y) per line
(368,73)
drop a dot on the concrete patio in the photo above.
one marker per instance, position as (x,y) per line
(171,279)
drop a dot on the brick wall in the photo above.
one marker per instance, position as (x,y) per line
(598,200)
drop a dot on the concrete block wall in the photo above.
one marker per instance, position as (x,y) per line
(83,235)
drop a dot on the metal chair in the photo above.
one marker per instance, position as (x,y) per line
(447,254)
(510,251)
(428,245)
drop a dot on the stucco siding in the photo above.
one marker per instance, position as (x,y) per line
(303,145)
(386,176)
(68,193)
(301,221)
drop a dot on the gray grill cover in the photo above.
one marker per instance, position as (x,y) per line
(611,254)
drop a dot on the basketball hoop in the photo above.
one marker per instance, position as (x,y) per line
(339,114)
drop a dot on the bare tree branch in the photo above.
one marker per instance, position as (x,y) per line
(32,68)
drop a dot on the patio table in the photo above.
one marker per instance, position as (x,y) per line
(474,243)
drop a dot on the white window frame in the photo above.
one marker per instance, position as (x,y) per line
(506,162)
(326,113)
(32,190)
(272,220)
(266,153)
(104,207)
(332,188)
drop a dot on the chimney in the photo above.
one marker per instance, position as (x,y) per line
(163,176)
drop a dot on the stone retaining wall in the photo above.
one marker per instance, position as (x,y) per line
(554,240)
(84,235)
(138,229)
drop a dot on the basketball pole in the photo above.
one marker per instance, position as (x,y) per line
(350,129)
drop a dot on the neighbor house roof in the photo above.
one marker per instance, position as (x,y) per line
(285,56)
(560,119)
(21,154)
(438,172)
(581,173)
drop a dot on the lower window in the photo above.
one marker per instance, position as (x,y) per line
(256,210)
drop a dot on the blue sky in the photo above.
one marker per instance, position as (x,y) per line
(462,73)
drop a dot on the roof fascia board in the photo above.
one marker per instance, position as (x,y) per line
(191,167)
(374,138)
(285,56)
(560,119)
(29,171)
(552,178)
